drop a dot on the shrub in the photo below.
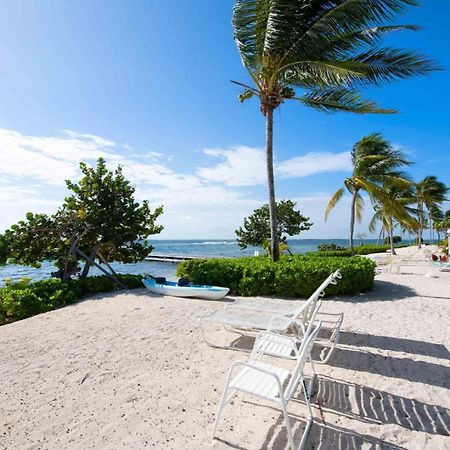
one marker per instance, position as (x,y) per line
(20,300)
(396,240)
(292,276)
(329,247)
(359,250)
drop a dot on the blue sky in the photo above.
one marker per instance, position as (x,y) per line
(146,84)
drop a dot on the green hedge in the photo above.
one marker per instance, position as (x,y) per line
(358,250)
(292,276)
(21,300)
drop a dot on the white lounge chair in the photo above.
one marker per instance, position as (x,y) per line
(285,346)
(248,321)
(271,383)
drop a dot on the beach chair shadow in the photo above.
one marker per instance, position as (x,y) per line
(380,407)
(324,437)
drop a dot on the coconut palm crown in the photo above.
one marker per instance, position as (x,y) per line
(375,163)
(327,50)
(429,193)
(398,209)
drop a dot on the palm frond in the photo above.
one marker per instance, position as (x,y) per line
(377,217)
(333,201)
(386,64)
(359,207)
(341,99)
(342,44)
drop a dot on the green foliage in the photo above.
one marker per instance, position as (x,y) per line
(443,245)
(326,50)
(20,300)
(256,228)
(101,216)
(292,276)
(329,247)
(396,240)
(376,164)
(359,250)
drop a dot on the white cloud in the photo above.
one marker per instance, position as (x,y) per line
(313,163)
(48,159)
(242,166)
(208,202)
(245,166)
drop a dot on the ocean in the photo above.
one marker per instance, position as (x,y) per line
(194,247)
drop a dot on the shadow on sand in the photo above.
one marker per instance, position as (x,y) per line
(383,291)
(379,407)
(390,366)
(394,344)
(323,437)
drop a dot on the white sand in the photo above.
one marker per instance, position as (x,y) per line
(129,370)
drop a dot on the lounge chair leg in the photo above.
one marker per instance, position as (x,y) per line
(287,423)
(223,401)
(310,390)
(222,404)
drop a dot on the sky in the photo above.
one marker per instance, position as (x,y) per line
(146,84)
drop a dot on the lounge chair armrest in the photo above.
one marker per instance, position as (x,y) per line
(255,367)
(275,334)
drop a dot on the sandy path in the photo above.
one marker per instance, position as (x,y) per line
(130,371)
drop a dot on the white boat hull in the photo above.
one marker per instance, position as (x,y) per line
(193,291)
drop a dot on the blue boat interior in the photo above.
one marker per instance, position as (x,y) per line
(153,282)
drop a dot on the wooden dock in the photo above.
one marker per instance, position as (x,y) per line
(170,258)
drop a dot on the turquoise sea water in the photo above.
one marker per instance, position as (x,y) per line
(197,247)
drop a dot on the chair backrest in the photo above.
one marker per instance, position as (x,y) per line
(303,354)
(307,310)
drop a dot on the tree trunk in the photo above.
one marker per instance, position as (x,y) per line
(430,221)
(391,236)
(352,220)
(419,237)
(88,264)
(275,250)
(379,236)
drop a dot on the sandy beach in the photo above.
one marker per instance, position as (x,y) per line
(128,370)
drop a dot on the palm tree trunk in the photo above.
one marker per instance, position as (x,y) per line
(379,236)
(430,220)
(391,236)
(352,220)
(271,185)
(419,237)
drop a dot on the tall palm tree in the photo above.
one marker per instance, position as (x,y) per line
(326,48)
(429,193)
(394,208)
(375,162)
(435,215)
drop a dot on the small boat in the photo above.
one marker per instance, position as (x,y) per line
(173,289)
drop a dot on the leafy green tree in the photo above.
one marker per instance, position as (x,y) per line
(429,193)
(328,49)
(375,162)
(99,220)
(256,229)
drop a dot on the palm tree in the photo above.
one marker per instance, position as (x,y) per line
(328,49)
(435,215)
(375,162)
(429,193)
(394,208)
